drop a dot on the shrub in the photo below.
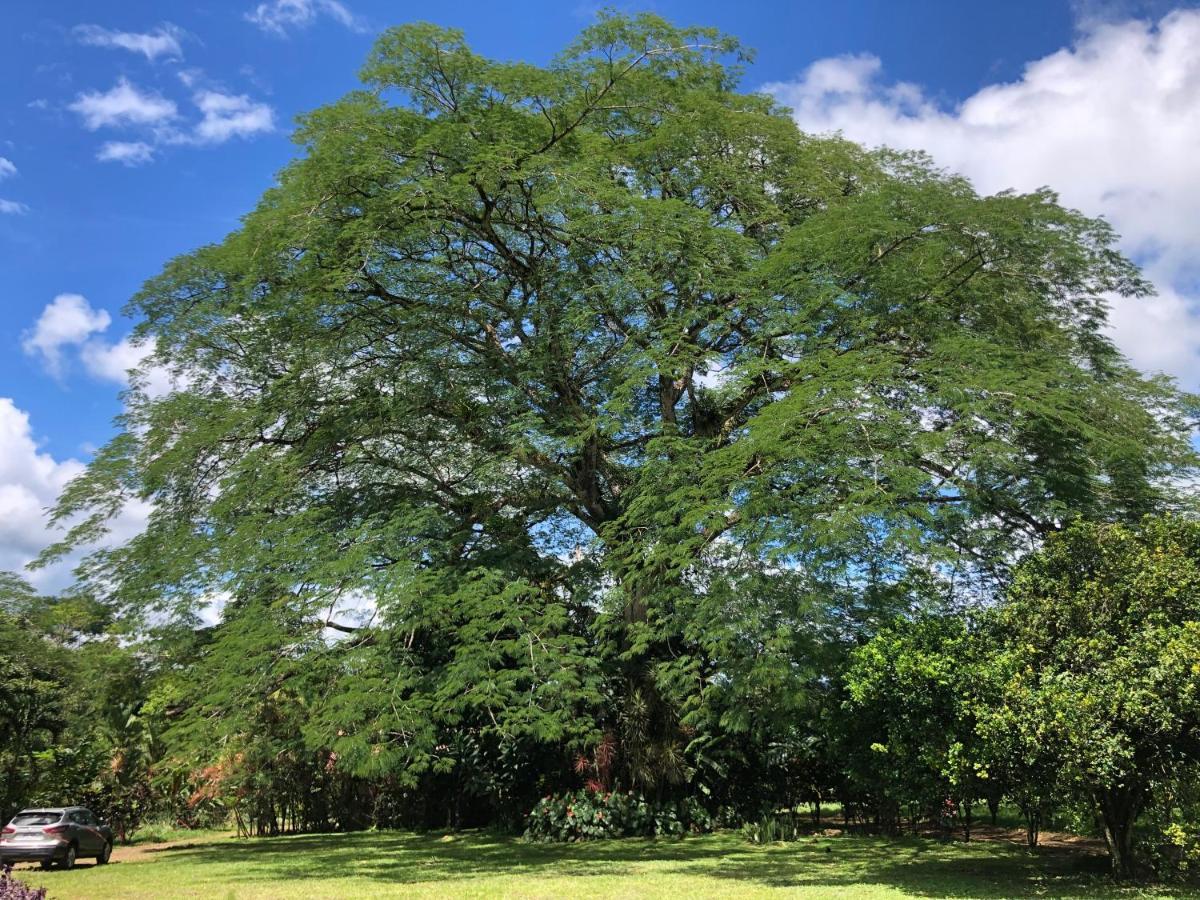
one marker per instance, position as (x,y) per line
(12,889)
(1168,840)
(771,828)
(592,815)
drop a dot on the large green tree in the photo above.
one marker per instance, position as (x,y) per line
(573,357)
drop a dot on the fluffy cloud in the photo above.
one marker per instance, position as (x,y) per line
(68,321)
(163,41)
(123,104)
(228,115)
(113,363)
(30,482)
(222,117)
(7,168)
(129,153)
(30,479)
(277,16)
(1112,123)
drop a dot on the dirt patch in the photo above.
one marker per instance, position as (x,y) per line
(152,848)
(1061,840)
(1051,840)
(141,851)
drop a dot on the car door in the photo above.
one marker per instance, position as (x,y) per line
(85,837)
(97,830)
(75,830)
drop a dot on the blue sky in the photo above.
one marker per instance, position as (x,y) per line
(131,132)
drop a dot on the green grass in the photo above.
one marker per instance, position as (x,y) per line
(393,864)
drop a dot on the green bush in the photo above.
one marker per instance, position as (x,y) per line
(592,815)
(1168,840)
(773,827)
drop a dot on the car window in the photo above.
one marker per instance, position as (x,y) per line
(87,818)
(36,818)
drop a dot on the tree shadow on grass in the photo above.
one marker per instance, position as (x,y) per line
(927,868)
(918,867)
(409,858)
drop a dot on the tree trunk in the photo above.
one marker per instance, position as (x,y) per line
(1119,808)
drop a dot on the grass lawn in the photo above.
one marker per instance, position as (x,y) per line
(402,864)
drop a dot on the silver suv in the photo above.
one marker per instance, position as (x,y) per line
(57,834)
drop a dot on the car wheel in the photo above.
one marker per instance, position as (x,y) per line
(104,854)
(68,860)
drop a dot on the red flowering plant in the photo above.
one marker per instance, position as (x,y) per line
(586,815)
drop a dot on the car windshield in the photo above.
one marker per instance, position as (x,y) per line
(36,818)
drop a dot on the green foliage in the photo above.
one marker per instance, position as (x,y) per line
(774,827)
(1102,638)
(497,310)
(70,698)
(1079,689)
(34,697)
(912,718)
(1168,837)
(591,815)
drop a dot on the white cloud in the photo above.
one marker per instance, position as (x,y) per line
(67,321)
(228,115)
(189,77)
(277,16)
(30,483)
(31,480)
(222,116)
(7,169)
(163,41)
(71,322)
(1112,123)
(123,104)
(129,153)
(12,208)
(1160,334)
(114,363)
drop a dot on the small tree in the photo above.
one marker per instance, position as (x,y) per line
(911,694)
(1022,759)
(1102,642)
